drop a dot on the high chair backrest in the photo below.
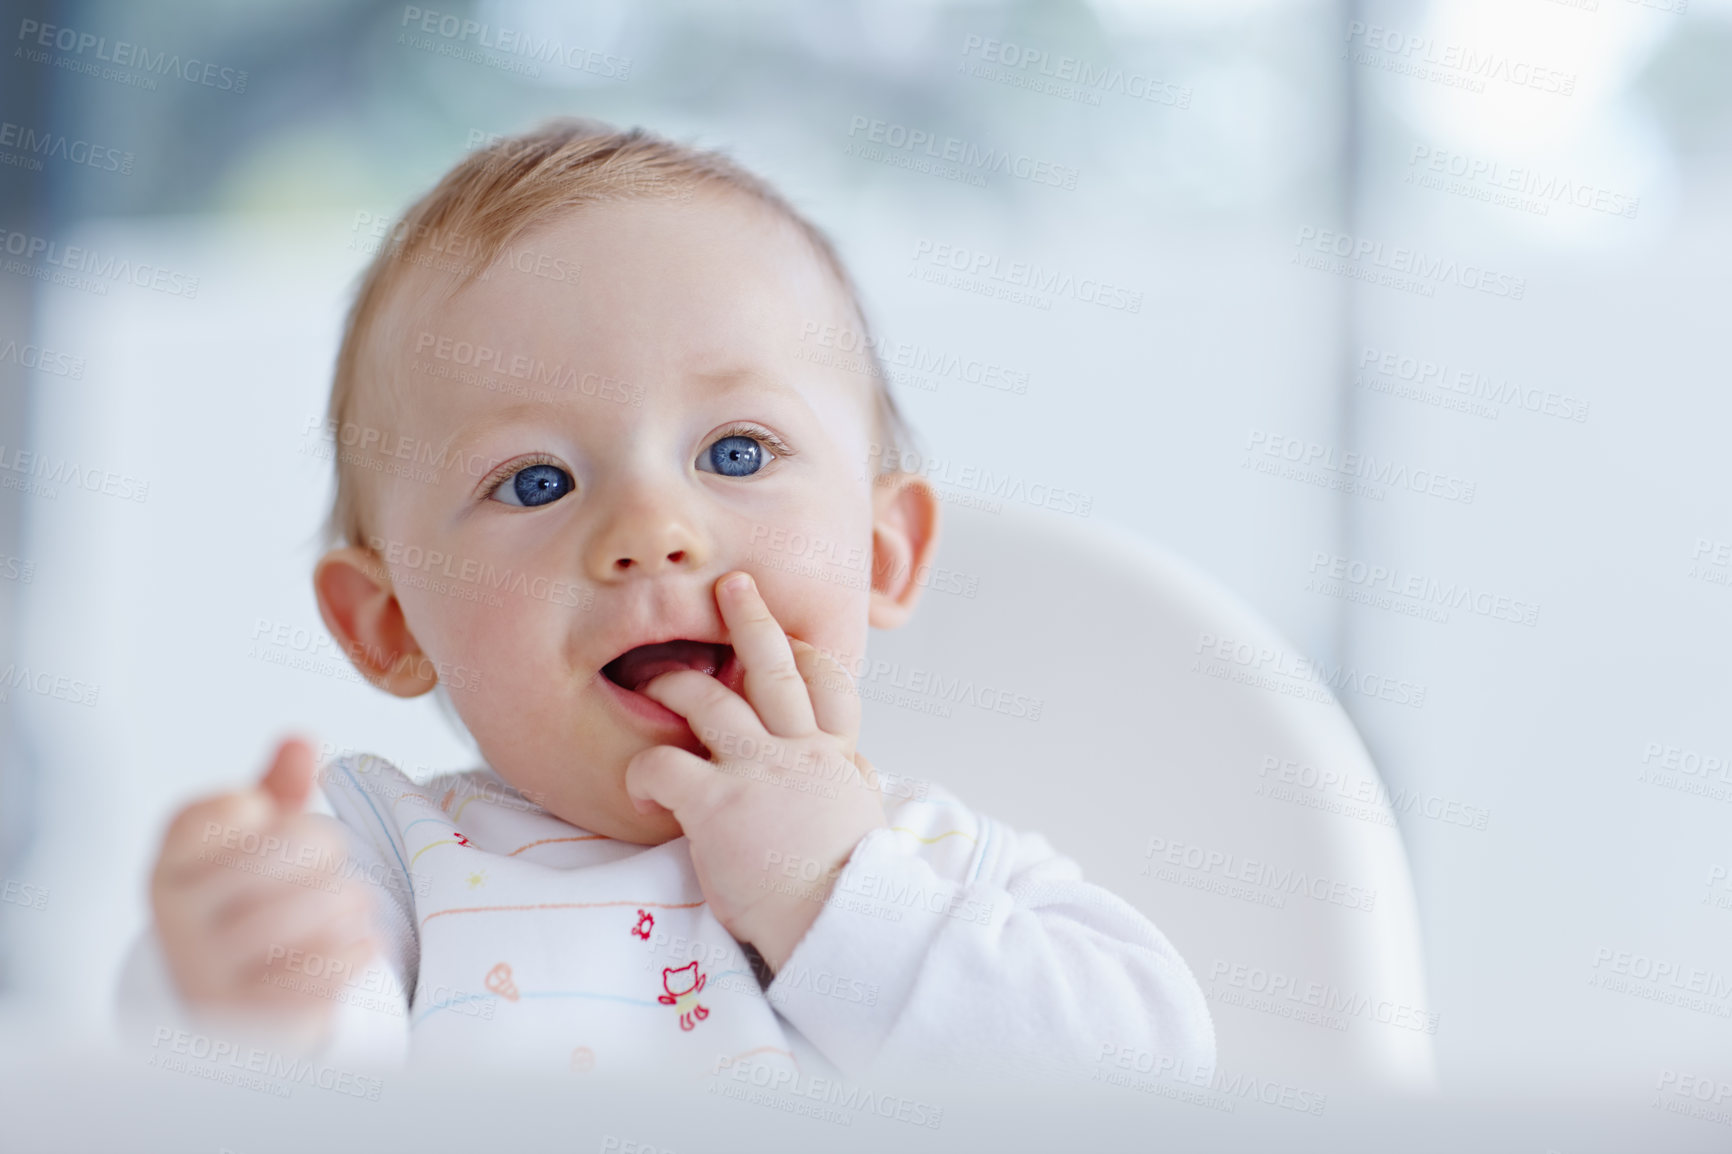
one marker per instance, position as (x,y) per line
(1070,680)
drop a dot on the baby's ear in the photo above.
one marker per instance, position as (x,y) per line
(904,540)
(362,612)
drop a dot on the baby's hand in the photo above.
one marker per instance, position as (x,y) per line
(784,779)
(246,887)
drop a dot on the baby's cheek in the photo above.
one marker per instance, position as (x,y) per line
(484,640)
(828,614)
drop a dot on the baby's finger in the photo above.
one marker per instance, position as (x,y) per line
(289,781)
(210,829)
(319,968)
(868,771)
(680,782)
(274,916)
(773,682)
(835,699)
(264,936)
(718,716)
(229,880)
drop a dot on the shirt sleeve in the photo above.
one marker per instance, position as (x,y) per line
(949,940)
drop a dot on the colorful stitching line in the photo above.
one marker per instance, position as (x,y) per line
(430,845)
(445,1005)
(560,906)
(930,840)
(377,816)
(549,840)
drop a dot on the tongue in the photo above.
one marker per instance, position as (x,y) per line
(633,668)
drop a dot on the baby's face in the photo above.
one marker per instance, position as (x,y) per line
(621,516)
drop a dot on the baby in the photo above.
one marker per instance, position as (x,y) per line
(580,405)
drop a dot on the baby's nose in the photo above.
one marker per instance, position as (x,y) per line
(677,557)
(644,540)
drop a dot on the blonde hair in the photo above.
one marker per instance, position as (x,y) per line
(499,192)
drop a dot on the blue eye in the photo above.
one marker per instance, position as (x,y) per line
(534,485)
(735,456)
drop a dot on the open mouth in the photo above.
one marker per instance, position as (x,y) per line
(632,670)
(636,668)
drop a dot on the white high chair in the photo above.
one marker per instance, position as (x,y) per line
(1141,745)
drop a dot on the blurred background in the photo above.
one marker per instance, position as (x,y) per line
(1419,345)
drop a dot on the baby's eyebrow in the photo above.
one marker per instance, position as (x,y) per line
(525,412)
(746,376)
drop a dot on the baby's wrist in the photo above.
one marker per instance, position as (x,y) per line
(784,929)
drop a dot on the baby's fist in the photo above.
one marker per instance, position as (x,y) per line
(247,888)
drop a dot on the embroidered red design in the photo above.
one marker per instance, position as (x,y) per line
(646,922)
(499,980)
(461,840)
(685,998)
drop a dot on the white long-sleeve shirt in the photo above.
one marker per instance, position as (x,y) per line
(948,940)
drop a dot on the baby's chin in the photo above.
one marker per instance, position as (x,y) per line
(620,821)
(649,829)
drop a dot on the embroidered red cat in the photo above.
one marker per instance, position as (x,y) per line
(685,998)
